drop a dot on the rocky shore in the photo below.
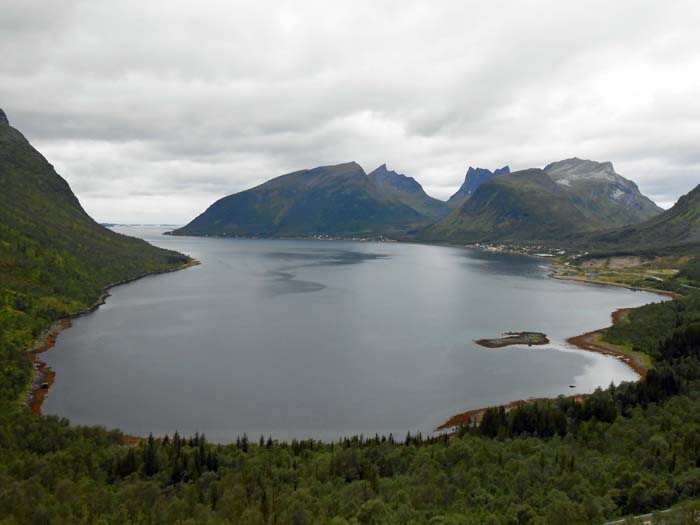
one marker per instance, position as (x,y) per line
(515,338)
(590,341)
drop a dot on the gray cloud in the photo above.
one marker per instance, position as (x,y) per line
(151,110)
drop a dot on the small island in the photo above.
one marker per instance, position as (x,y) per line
(515,338)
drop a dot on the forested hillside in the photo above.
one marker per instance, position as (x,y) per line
(54,259)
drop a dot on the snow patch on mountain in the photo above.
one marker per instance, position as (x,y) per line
(617,194)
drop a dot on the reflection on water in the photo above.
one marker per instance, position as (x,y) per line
(325,257)
(501,263)
(286,282)
(325,339)
(283,283)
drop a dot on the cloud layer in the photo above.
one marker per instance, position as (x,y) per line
(151,110)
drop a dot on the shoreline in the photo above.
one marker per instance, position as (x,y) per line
(43,375)
(592,342)
(589,342)
(555,273)
(475,414)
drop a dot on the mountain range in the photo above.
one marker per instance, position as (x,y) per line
(564,198)
(537,205)
(523,205)
(573,201)
(340,200)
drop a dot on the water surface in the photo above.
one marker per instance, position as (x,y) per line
(324,339)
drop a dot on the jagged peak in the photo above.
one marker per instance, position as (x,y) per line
(383,176)
(383,170)
(3,118)
(498,171)
(474,178)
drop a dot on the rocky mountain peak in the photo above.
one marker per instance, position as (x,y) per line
(474,178)
(569,171)
(3,118)
(383,175)
(606,192)
(483,174)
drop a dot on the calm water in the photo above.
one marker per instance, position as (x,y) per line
(325,339)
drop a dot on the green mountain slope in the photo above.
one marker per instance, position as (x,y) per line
(331,200)
(678,226)
(408,191)
(522,205)
(54,259)
(601,194)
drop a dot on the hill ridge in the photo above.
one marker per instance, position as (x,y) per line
(336,200)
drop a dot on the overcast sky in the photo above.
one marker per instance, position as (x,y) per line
(152,110)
